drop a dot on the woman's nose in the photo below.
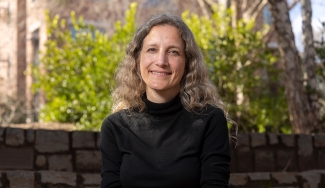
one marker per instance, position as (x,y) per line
(162,59)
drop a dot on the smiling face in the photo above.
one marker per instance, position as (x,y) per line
(162,62)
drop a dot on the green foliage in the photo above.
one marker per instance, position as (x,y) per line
(243,70)
(77,70)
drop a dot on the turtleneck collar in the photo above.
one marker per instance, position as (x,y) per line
(163,109)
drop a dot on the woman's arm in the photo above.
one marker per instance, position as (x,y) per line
(215,156)
(111,157)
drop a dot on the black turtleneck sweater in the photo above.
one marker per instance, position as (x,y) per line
(166,146)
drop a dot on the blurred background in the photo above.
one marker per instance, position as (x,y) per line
(58,58)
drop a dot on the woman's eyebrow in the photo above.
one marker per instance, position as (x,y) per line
(169,46)
(150,44)
(175,46)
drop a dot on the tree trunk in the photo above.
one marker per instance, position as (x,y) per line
(302,116)
(309,54)
(21,50)
(236,11)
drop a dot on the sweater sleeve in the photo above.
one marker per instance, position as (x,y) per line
(215,156)
(111,156)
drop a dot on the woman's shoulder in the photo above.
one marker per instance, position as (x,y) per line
(211,110)
(215,118)
(208,112)
(113,119)
(122,118)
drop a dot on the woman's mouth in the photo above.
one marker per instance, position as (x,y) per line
(160,73)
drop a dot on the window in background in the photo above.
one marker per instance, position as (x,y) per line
(267,16)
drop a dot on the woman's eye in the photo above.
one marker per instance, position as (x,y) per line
(151,50)
(174,52)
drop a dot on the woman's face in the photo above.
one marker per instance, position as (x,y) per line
(162,60)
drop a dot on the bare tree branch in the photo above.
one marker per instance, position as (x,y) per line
(204,10)
(210,2)
(259,9)
(244,5)
(268,34)
(254,9)
(235,12)
(11,110)
(293,4)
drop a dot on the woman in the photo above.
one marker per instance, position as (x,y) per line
(168,128)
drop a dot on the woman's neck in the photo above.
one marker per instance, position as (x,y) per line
(161,96)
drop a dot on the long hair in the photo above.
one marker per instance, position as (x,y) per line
(196,91)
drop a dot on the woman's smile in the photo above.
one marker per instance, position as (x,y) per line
(160,73)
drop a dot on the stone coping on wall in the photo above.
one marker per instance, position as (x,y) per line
(20,179)
(43,125)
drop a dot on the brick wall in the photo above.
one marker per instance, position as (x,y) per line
(43,158)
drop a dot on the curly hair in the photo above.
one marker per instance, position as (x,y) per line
(196,91)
